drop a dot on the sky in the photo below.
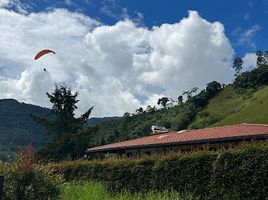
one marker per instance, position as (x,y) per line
(123,54)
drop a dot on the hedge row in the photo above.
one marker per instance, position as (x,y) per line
(26,180)
(231,174)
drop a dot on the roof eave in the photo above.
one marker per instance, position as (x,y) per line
(184,143)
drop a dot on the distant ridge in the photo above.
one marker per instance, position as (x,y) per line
(18,129)
(16,126)
(95,120)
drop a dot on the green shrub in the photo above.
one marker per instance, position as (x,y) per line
(242,173)
(25,180)
(185,173)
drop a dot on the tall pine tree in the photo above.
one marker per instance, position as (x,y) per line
(63,128)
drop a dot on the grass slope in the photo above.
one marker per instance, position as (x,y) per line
(228,107)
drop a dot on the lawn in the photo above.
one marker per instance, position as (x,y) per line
(96,191)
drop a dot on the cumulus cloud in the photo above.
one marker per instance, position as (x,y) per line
(249,61)
(116,68)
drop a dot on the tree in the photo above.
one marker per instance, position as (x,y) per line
(150,109)
(139,111)
(163,101)
(262,58)
(180,99)
(237,65)
(126,114)
(189,94)
(213,87)
(64,126)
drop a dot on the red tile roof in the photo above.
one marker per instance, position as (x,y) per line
(217,134)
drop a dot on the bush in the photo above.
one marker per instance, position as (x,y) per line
(185,173)
(25,180)
(242,173)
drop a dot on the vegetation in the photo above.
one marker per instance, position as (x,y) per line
(234,108)
(18,129)
(63,130)
(239,173)
(26,180)
(96,191)
(16,126)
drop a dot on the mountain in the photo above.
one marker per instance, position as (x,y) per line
(18,129)
(16,126)
(95,120)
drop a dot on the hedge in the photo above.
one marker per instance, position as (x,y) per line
(240,173)
(26,180)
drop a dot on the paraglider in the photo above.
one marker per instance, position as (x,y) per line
(43,52)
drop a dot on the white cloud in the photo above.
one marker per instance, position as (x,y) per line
(114,10)
(246,37)
(116,68)
(249,61)
(14,4)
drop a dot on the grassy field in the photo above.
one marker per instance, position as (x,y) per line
(228,107)
(96,191)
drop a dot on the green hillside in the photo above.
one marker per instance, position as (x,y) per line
(17,127)
(230,107)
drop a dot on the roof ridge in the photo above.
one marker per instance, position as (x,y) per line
(229,125)
(254,124)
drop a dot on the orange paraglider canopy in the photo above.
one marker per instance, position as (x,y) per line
(43,52)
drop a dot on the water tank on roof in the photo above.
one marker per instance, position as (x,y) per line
(158,129)
(182,131)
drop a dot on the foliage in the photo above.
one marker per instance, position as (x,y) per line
(252,79)
(25,180)
(163,101)
(237,65)
(64,128)
(96,191)
(240,173)
(262,58)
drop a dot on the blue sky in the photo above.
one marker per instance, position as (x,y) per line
(238,16)
(120,55)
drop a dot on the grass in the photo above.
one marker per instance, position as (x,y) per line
(96,191)
(228,107)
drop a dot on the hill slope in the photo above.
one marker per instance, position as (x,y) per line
(16,126)
(229,107)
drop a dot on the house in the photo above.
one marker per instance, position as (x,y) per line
(183,141)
